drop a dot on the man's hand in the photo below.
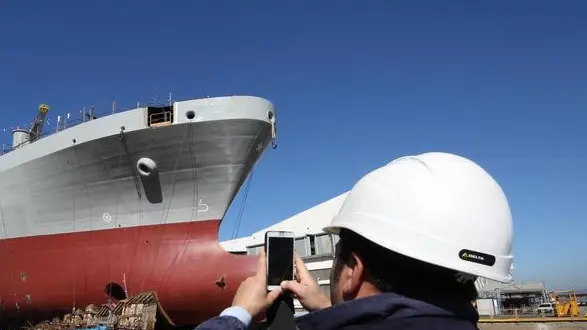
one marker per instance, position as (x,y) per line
(306,289)
(252,293)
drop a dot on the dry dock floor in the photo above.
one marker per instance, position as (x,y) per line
(534,326)
(533,323)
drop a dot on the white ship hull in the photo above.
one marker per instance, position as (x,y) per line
(56,185)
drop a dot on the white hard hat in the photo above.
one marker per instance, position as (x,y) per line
(436,207)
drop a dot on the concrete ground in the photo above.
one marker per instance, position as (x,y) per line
(538,326)
(534,326)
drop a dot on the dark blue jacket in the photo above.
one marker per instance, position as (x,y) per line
(383,311)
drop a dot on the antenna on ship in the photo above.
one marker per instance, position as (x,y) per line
(155,95)
(113,106)
(170,99)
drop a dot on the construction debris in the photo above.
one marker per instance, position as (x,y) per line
(136,313)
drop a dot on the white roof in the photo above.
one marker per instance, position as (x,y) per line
(514,287)
(308,222)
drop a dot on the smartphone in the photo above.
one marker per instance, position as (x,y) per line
(279,253)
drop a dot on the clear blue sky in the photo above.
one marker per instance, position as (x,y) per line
(356,85)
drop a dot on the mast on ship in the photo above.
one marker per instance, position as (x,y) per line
(22,137)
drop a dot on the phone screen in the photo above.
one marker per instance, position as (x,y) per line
(279,260)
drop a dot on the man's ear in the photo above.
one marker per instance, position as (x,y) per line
(353,274)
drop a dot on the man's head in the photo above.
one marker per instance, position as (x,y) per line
(418,226)
(362,268)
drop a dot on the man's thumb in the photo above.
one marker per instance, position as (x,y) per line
(274,294)
(292,286)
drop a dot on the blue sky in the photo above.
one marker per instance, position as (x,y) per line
(356,84)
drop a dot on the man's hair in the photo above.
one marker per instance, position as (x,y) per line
(389,271)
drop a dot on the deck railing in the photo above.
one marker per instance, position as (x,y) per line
(84,117)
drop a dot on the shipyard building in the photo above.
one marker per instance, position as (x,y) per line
(511,299)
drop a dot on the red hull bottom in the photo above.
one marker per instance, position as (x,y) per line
(45,276)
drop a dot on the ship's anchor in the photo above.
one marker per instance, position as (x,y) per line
(221,282)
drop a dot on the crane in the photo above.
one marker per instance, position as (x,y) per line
(37,127)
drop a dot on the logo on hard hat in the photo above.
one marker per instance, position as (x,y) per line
(477,257)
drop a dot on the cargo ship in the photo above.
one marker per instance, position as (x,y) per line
(129,202)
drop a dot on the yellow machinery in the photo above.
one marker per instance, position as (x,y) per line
(36,129)
(43,109)
(565,303)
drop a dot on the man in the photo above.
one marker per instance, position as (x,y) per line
(414,236)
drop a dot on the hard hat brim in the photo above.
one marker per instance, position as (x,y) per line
(402,240)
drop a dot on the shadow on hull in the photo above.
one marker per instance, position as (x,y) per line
(192,275)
